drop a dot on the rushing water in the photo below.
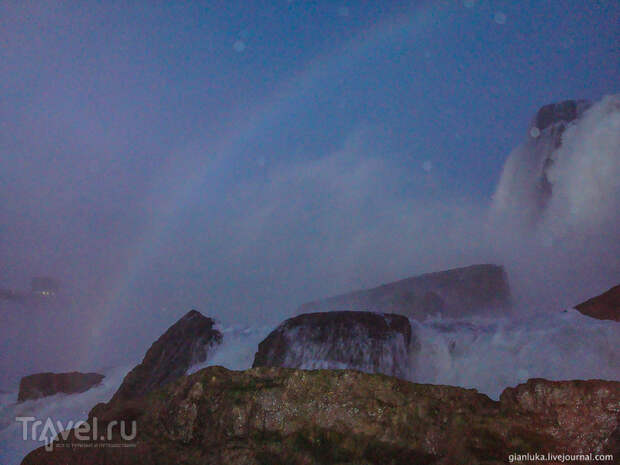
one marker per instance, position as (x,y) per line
(486,354)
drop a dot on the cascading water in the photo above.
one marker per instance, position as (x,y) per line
(371,342)
(492,354)
(390,357)
(237,349)
(487,354)
(61,409)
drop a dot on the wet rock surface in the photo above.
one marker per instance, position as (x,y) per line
(458,292)
(604,307)
(48,384)
(286,416)
(186,342)
(371,342)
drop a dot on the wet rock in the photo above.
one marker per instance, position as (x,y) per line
(277,415)
(185,343)
(604,307)
(371,342)
(458,292)
(48,384)
(560,112)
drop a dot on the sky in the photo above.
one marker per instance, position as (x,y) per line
(242,158)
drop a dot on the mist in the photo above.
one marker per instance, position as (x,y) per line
(157,159)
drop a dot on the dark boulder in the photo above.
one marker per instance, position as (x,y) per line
(458,292)
(561,112)
(371,342)
(185,343)
(604,307)
(48,384)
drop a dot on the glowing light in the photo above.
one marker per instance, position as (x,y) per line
(500,17)
(239,46)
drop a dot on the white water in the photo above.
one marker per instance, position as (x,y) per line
(308,355)
(237,349)
(490,355)
(486,354)
(583,173)
(554,222)
(59,408)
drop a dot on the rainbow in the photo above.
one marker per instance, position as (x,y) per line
(422,18)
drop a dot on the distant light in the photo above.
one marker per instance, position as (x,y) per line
(239,46)
(534,132)
(547,240)
(568,43)
(427,166)
(500,18)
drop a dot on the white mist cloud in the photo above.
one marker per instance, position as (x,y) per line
(562,240)
(342,220)
(585,173)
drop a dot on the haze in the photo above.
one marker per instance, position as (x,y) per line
(242,158)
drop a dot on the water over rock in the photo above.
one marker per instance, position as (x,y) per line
(459,292)
(604,307)
(525,188)
(276,415)
(186,342)
(559,113)
(371,342)
(47,384)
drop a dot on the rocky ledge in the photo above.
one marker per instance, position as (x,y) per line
(476,289)
(48,384)
(604,307)
(286,416)
(185,343)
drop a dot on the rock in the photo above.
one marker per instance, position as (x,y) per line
(585,414)
(455,293)
(561,112)
(604,307)
(277,415)
(371,342)
(525,188)
(185,343)
(48,384)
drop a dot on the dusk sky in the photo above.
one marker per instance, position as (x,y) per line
(245,157)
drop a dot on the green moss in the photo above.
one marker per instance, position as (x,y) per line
(270,457)
(386,454)
(252,385)
(487,443)
(325,446)
(266,436)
